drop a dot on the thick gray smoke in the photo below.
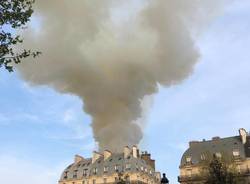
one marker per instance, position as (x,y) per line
(112,66)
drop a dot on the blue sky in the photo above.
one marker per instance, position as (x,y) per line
(41,130)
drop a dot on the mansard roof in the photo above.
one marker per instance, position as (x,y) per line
(224,146)
(86,168)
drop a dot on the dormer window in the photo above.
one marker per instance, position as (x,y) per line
(95,170)
(142,168)
(75,174)
(105,169)
(236,153)
(116,168)
(65,175)
(128,166)
(218,155)
(85,172)
(188,159)
(203,157)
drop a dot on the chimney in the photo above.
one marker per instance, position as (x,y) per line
(147,157)
(135,152)
(96,156)
(107,154)
(126,151)
(78,159)
(243,135)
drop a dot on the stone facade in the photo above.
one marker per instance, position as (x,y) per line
(109,167)
(237,148)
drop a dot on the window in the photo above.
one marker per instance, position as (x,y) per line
(85,172)
(104,180)
(236,153)
(189,173)
(128,166)
(127,178)
(239,169)
(116,168)
(142,168)
(75,174)
(188,159)
(105,169)
(65,175)
(95,171)
(203,157)
(218,155)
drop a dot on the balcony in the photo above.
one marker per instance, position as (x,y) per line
(190,178)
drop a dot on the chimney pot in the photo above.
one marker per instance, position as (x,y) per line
(126,151)
(96,156)
(135,152)
(243,135)
(107,154)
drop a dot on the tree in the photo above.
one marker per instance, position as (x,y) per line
(14,15)
(221,171)
(122,179)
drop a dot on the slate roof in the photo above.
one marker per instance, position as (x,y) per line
(221,145)
(116,159)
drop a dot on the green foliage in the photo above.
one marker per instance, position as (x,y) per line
(14,14)
(221,171)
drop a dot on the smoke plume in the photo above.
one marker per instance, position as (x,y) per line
(113,60)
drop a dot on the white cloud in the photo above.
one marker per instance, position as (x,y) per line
(69,115)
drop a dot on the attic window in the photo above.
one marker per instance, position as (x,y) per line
(188,159)
(236,153)
(105,169)
(116,168)
(203,157)
(65,175)
(128,166)
(95,170)
(75,174)
(218,155)
(142,168)
(85,172)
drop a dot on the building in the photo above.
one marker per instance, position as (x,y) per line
(237,148)
(129,166)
